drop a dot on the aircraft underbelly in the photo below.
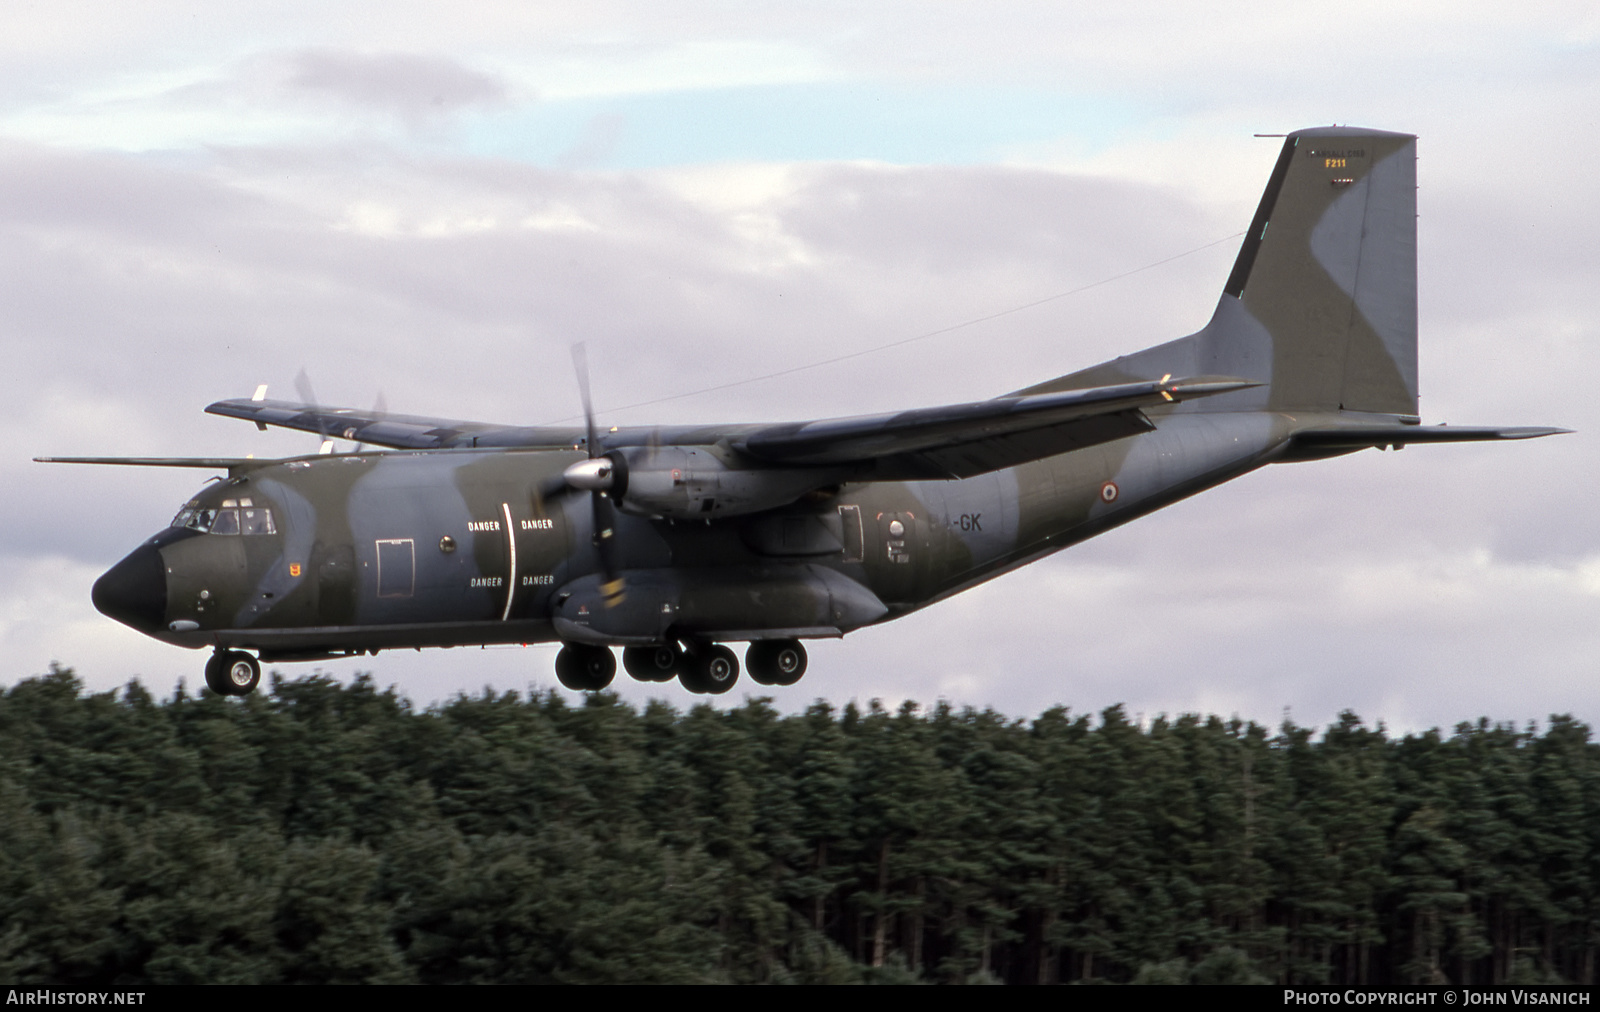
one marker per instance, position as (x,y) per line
(746,602)
(372,638)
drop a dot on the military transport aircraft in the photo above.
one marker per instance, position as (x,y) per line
(672,541)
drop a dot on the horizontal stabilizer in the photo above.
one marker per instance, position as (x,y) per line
(1314,444)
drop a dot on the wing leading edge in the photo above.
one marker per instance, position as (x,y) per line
(398,432)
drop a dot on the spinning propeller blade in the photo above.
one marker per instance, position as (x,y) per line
(596,475)
(302,386)
(380,409)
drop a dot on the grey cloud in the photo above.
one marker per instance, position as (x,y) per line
(411,86)
(955,218)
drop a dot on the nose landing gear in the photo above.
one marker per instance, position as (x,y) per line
(232,673)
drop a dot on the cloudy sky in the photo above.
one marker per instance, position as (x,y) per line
(195,200)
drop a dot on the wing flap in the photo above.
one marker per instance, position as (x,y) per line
(980,456)
(961,440)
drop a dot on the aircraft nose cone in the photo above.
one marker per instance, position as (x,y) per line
(134,591)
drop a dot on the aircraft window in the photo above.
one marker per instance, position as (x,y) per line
(198,519)
(226,522)
(258,521)
(183,518)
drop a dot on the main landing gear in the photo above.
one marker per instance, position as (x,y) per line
(776,662)
(584,668)
(709,670)
(702,668)
(232,673)
(653,664)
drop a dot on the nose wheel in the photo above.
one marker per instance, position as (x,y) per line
(232,673)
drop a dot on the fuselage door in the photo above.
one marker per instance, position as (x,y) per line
(397,567)
(850,534)
(335,568)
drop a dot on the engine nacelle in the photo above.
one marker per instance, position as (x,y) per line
(692,482)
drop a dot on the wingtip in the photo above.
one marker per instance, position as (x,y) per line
(1209,386)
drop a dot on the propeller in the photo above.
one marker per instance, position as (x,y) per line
(598,476)
(380,410)
(302,386)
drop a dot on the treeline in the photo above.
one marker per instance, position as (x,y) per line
(326,833)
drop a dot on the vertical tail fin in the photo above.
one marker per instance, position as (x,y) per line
(1321,305)
(1329,269)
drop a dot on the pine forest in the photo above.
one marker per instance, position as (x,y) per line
(321,832)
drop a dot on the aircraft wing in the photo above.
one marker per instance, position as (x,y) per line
(954,441)
(400,432)
(962,440)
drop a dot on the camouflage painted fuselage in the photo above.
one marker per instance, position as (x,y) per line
(442,548)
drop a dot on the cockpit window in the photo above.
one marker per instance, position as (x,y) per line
(229,520)
(257,521)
